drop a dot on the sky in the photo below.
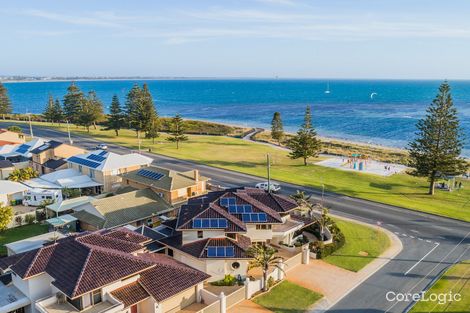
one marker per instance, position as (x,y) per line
(396,39)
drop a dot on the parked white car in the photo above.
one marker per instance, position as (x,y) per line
(274,187)
(101,146)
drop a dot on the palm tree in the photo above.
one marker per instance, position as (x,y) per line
(19,175)
(318,212)
(264,257)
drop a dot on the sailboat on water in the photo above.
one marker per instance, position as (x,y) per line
(327,91)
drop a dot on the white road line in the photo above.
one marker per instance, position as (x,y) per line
(432,270)
(404,235)
(412,237)
(428,241)
(416,264)
(397,233)
(420,238)
(414,231)
(441,237)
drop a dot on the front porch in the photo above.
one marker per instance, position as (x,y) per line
(53,305)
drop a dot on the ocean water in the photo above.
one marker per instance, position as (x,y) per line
(347,112)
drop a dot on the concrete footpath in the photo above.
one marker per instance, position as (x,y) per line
(333,282)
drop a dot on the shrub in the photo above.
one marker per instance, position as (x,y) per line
(228,280)
(19,220)
(323,250)
(29,219)
(15,129)
(271,282)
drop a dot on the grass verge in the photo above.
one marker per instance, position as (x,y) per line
(456,280)
(247,157)
(19,233)
(287,297)
(363,244)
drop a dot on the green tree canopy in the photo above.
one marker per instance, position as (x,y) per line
(5,102)
(6,215)
(116,117)
(15,129)
(49,110)
(435,152)
(22,174)
(177,130)
(264,257)
(305,143)
(73,101)
(140,109)
(277,129)
(91,110)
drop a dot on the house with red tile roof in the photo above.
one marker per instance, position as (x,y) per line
(213,232)
(101,271)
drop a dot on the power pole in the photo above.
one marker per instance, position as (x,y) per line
(268,159)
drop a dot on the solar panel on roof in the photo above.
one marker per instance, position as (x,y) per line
(254,217)
(23,148)
(150,174)
(240,208)
(220,252)
(84,162)
(227,201)
(102,153)
(96,157)
(210,223)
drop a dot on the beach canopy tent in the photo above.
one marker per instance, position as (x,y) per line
(66,178)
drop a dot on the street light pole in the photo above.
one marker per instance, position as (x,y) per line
(30,126)
(268,159)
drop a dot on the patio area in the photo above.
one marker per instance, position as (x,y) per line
(65,307)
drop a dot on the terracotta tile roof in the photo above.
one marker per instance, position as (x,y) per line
(88,261)
(198,248)
(169,277)
(209,206)
(130,294)
(126,234)
(107,242)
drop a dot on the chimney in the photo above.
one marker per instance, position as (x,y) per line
(196,175)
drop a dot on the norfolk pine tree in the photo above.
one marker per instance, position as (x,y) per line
(49,111)
(58,112)
(435,152)
(116,118)
(277,130)
(177,130)
(5,103)
(73,101)
(305,143)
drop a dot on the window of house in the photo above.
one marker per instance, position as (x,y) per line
(200,234)
(149,222)
(92,174)
(170,252)
(235,265)
(262,226)
(77,302)
(80,168)
(49,197)
(96,296)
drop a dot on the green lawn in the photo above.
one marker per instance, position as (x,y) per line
(455,280)
(363,245)
(248,157)
(287,297)
(18,233)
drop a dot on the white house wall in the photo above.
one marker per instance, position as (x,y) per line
(191,235)
(258,234)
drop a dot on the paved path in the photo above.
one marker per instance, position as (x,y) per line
(333,282)
(248,306)
(431,243)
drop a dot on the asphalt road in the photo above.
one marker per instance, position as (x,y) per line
(430,243)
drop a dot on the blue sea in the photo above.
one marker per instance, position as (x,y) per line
(347,112)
